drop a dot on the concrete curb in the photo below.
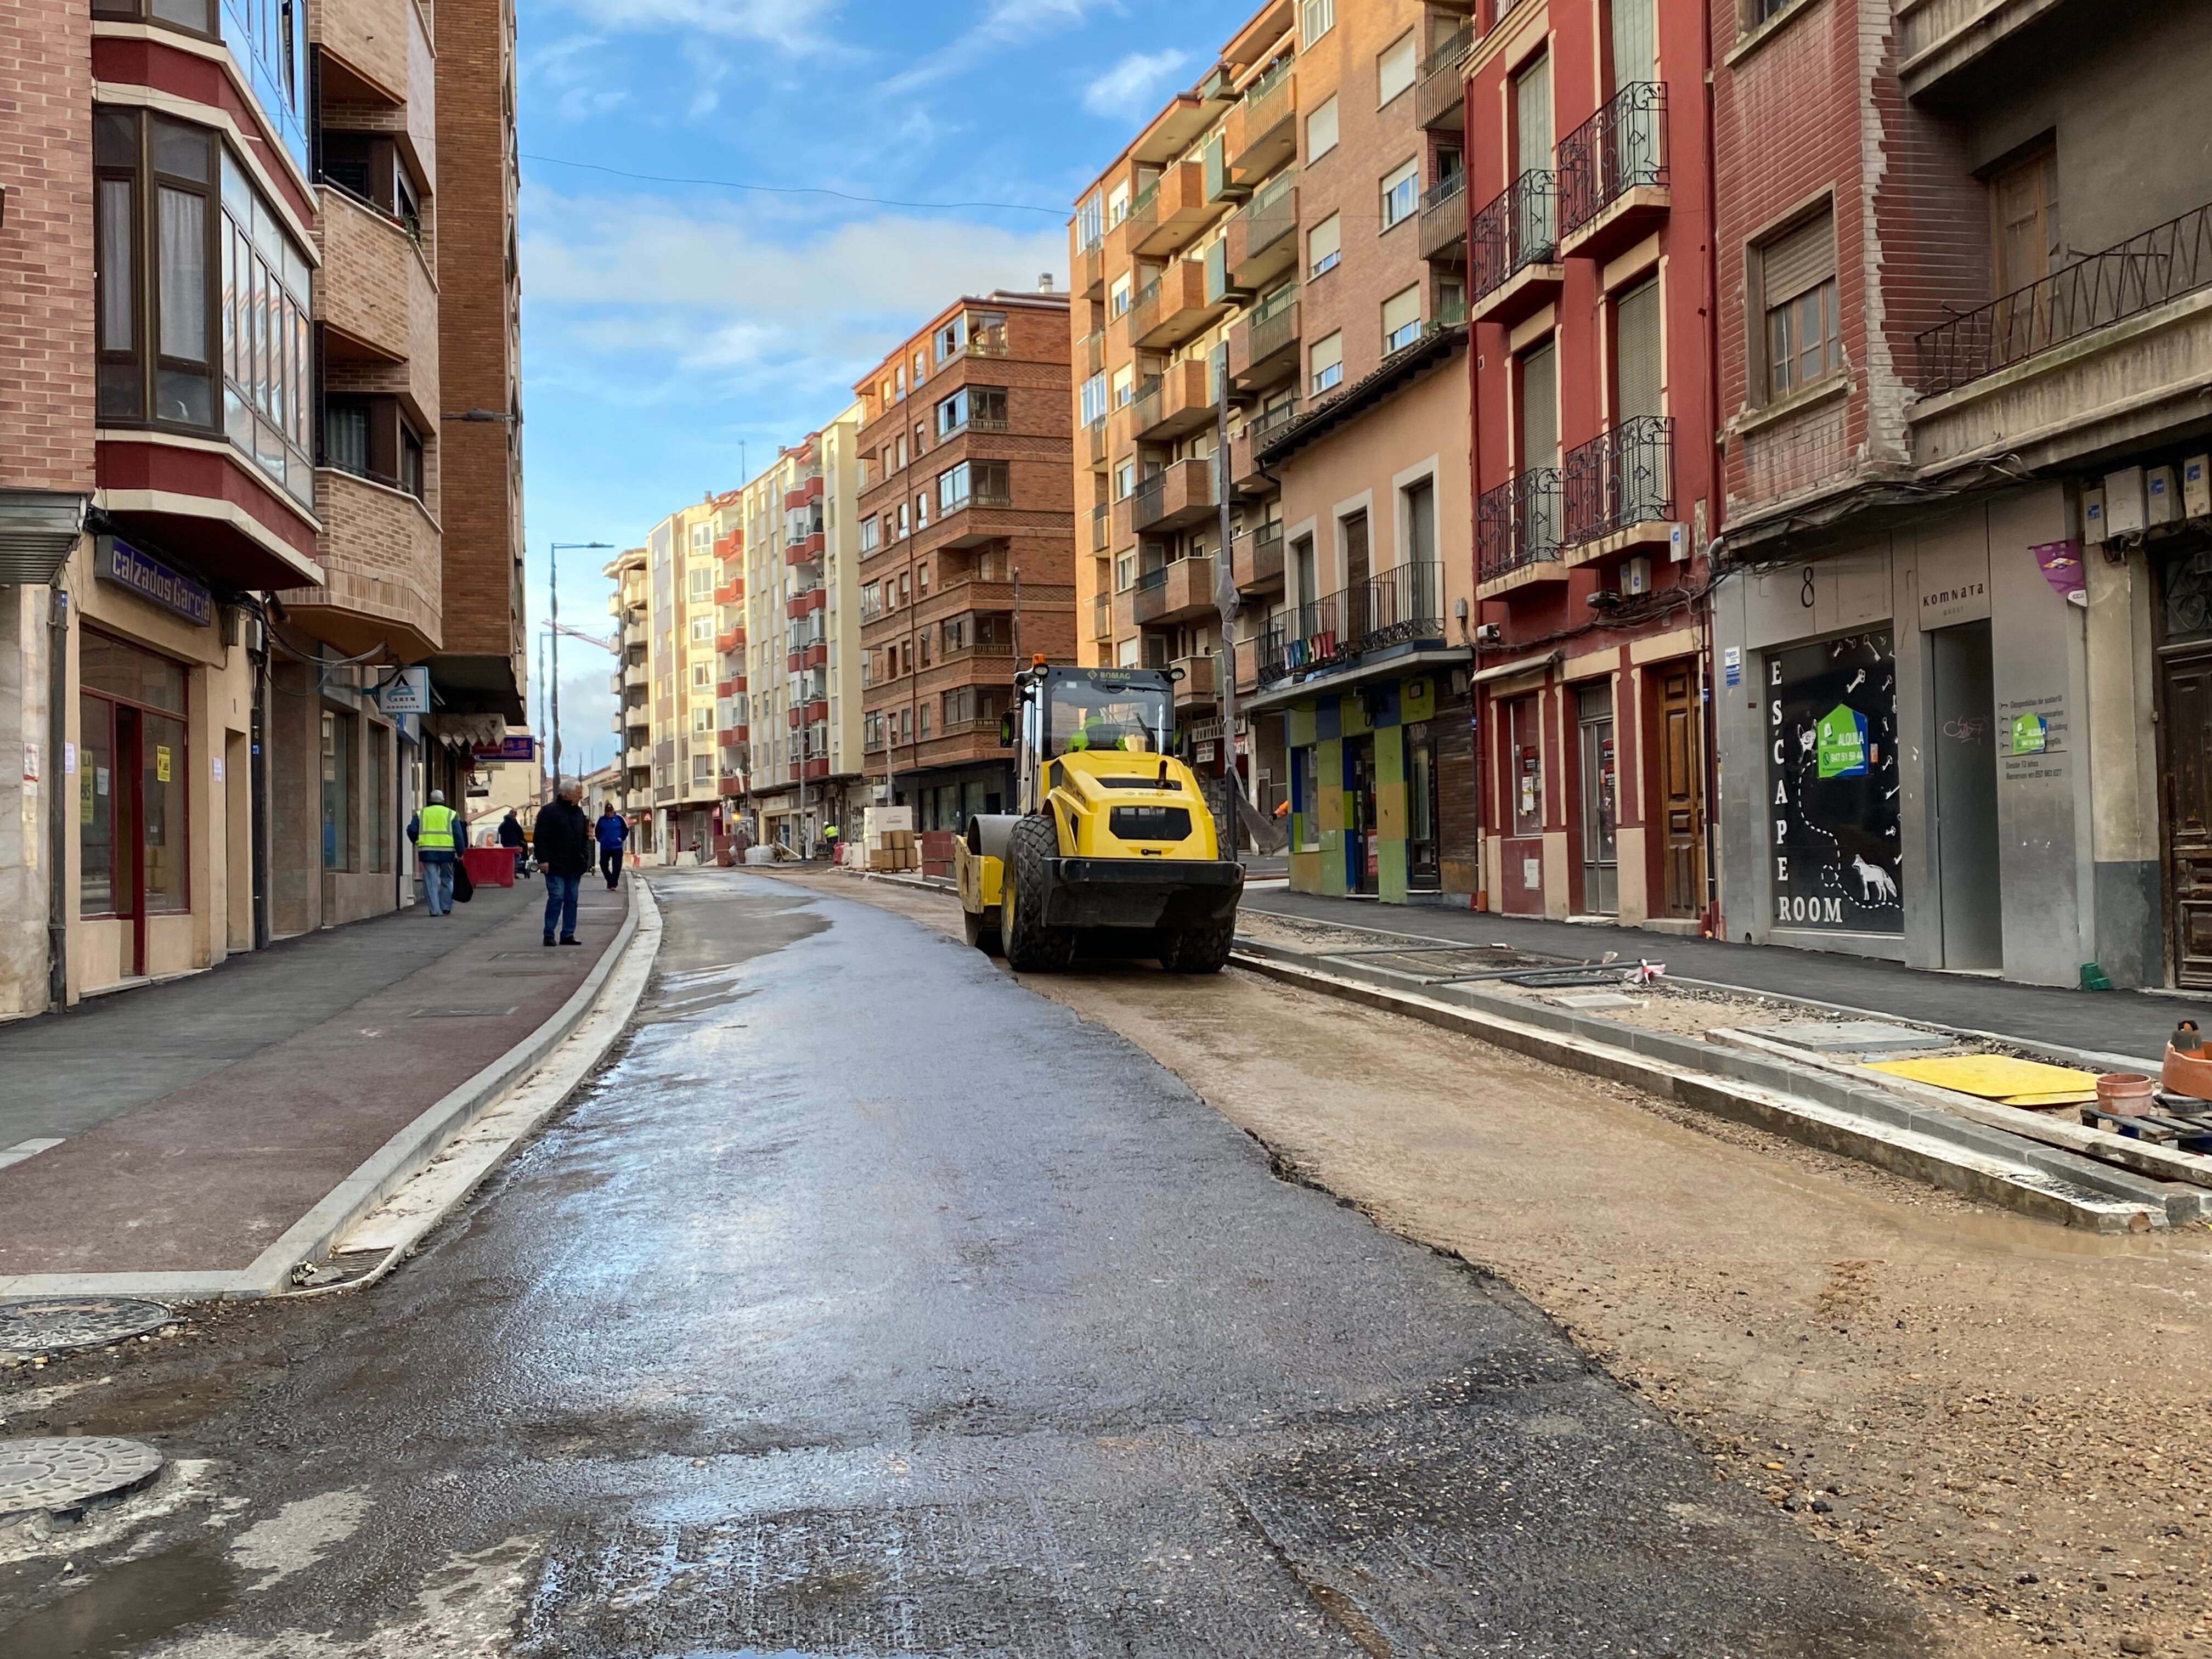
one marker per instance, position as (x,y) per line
(373,1181)
(1802,1103)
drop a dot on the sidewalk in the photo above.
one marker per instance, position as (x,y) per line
(197,1122)
(2129,1023)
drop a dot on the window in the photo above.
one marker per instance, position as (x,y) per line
(1451,301)
(369,437)
(1401,194)
(703,628)
(1125,480)
(702,720)
(951,338)
(870,535)
(952,413)
(921,511)
(1316,18)
(1302,574)
(1124,653)
(131,767)
(1125,386)
(902,529)
(1117,204)
(1328,362)
(703,584)
(1094,398)
(1089,223)
(1324,246)
(1395,70)
(1320,130)
(1401,319)
(2024,222)
(1635,352)
(1117,297)
(1797,291)
(902,452)
(337,790)
(1421,522)
(701,677)
(1125,573)
(1305,797)
(702,769)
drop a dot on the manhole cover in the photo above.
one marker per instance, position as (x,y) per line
(58,1475)
(61,1324)
(1846,1036)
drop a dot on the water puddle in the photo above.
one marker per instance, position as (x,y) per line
(127,1607)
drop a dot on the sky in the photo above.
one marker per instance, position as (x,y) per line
(675,334)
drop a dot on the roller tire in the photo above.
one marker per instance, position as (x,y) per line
(1030,946)
(982,933)
(1201,950)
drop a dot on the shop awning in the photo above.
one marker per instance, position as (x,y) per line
(1515,669)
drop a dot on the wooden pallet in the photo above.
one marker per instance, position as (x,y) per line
(2166,1127)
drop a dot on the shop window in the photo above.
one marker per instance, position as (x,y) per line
(337,790)
(131,766)
(1305,797)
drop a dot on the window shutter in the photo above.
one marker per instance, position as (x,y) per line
(1636,347)
(1798,260)
(1399,310)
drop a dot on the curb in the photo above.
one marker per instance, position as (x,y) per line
(376,1178)
(1799,1103)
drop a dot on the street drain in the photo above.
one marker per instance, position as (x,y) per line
(39,1325)
(461,1013)
(61,1476)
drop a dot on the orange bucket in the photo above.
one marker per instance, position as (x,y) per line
(2128,1094)
(2188,1074)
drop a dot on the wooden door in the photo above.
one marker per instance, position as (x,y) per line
(2185,780)
(1681,789)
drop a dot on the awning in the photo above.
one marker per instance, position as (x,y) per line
(1397,664)
(39,530)
(1508,670)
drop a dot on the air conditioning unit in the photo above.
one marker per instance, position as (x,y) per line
(1636,574)
(2126,510)
(2197,486)
(2162,494)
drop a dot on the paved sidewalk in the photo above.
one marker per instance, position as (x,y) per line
(2122,1022)
(198,1121)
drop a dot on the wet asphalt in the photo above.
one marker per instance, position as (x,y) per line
(869,1306)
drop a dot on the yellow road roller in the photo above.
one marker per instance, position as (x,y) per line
(1113,851)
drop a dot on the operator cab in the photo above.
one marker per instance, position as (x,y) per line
(1072,711)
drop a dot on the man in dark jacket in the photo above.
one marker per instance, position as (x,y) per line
(510,837)
(563,839)
(611,831)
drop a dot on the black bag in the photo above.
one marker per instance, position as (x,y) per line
(463,888)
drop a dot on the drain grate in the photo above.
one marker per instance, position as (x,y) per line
(461,1013)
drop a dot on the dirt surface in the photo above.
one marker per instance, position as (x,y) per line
(2013,1420)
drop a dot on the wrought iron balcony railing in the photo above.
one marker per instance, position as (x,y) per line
(1517,229)
(1401,606)
(1623,476)
(2141,274)
(1517,524)
(1621,148)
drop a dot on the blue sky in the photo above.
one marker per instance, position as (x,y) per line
(664,327)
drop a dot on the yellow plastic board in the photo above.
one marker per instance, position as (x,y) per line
(2037,1103)
(1993,1077)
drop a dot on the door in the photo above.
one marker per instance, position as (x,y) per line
(1520,874)
(1681,789)
(1423,873)
(1634,51)
(1357,569)
(1538,453)
(1533,193)
(1360,850)
(2185,780)
(1598,779)
(1965,792)
(1637,485)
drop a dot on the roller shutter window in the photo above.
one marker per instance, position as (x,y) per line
(1320,130)
(1327,363)
(1635,352)
(1797,288)
(1401,319)
(1395,70)
(1324,246)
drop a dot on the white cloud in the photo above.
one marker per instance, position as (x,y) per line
(1004,23)
(794,25)
(568,69)
(1132,86)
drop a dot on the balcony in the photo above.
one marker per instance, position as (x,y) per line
(1255,560)
(1174,403)
(1173,499)
(1262,244)
(385,310)
(730,639)
(1172,307)
(1613,174)
(1090,270)
(1941,42)
(1513,251)
(1095,434)
(1403,607)
(814,653)
(2106,352)
(1263,349)
(1094,352)
(1619,489)
(803,494)
(1263,128)
(1101,527)
(1246,477)
(814,599)
(379,551)
(1443,221)
(1194,687)
(1440,101)
(1168,215)
(1101,618)
(1181,591)
(805,550)
(988,488)
(1516,533)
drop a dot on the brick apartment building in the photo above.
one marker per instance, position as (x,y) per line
(1594,487)
(1964,640)
(966,543)
(222,447)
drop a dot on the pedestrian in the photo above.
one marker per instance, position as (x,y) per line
(435,831)
(512,838)
(611,831)
(562,839)
(830,835)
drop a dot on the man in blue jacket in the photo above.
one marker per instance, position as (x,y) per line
(612,830)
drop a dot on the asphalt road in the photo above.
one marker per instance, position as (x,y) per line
(871,1306)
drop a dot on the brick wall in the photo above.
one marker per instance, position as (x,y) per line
(45,247)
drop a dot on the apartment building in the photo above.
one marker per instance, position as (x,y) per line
(966,543)
(1965,637)
(683,673)
(1595,472)
(801,638)
(631,606)
(1350,452)
(219,478)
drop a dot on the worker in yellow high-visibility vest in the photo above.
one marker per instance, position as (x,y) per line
(436,832)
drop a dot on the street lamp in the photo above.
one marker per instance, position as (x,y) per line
(553,577)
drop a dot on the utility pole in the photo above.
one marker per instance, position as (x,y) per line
(1224,592)
(553,581)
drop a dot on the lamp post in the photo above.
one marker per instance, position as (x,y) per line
(553,581)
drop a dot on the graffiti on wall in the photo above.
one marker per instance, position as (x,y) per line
(1832,785)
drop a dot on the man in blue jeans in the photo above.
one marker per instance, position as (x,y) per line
(563,842)
(611,831)
(436,832)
